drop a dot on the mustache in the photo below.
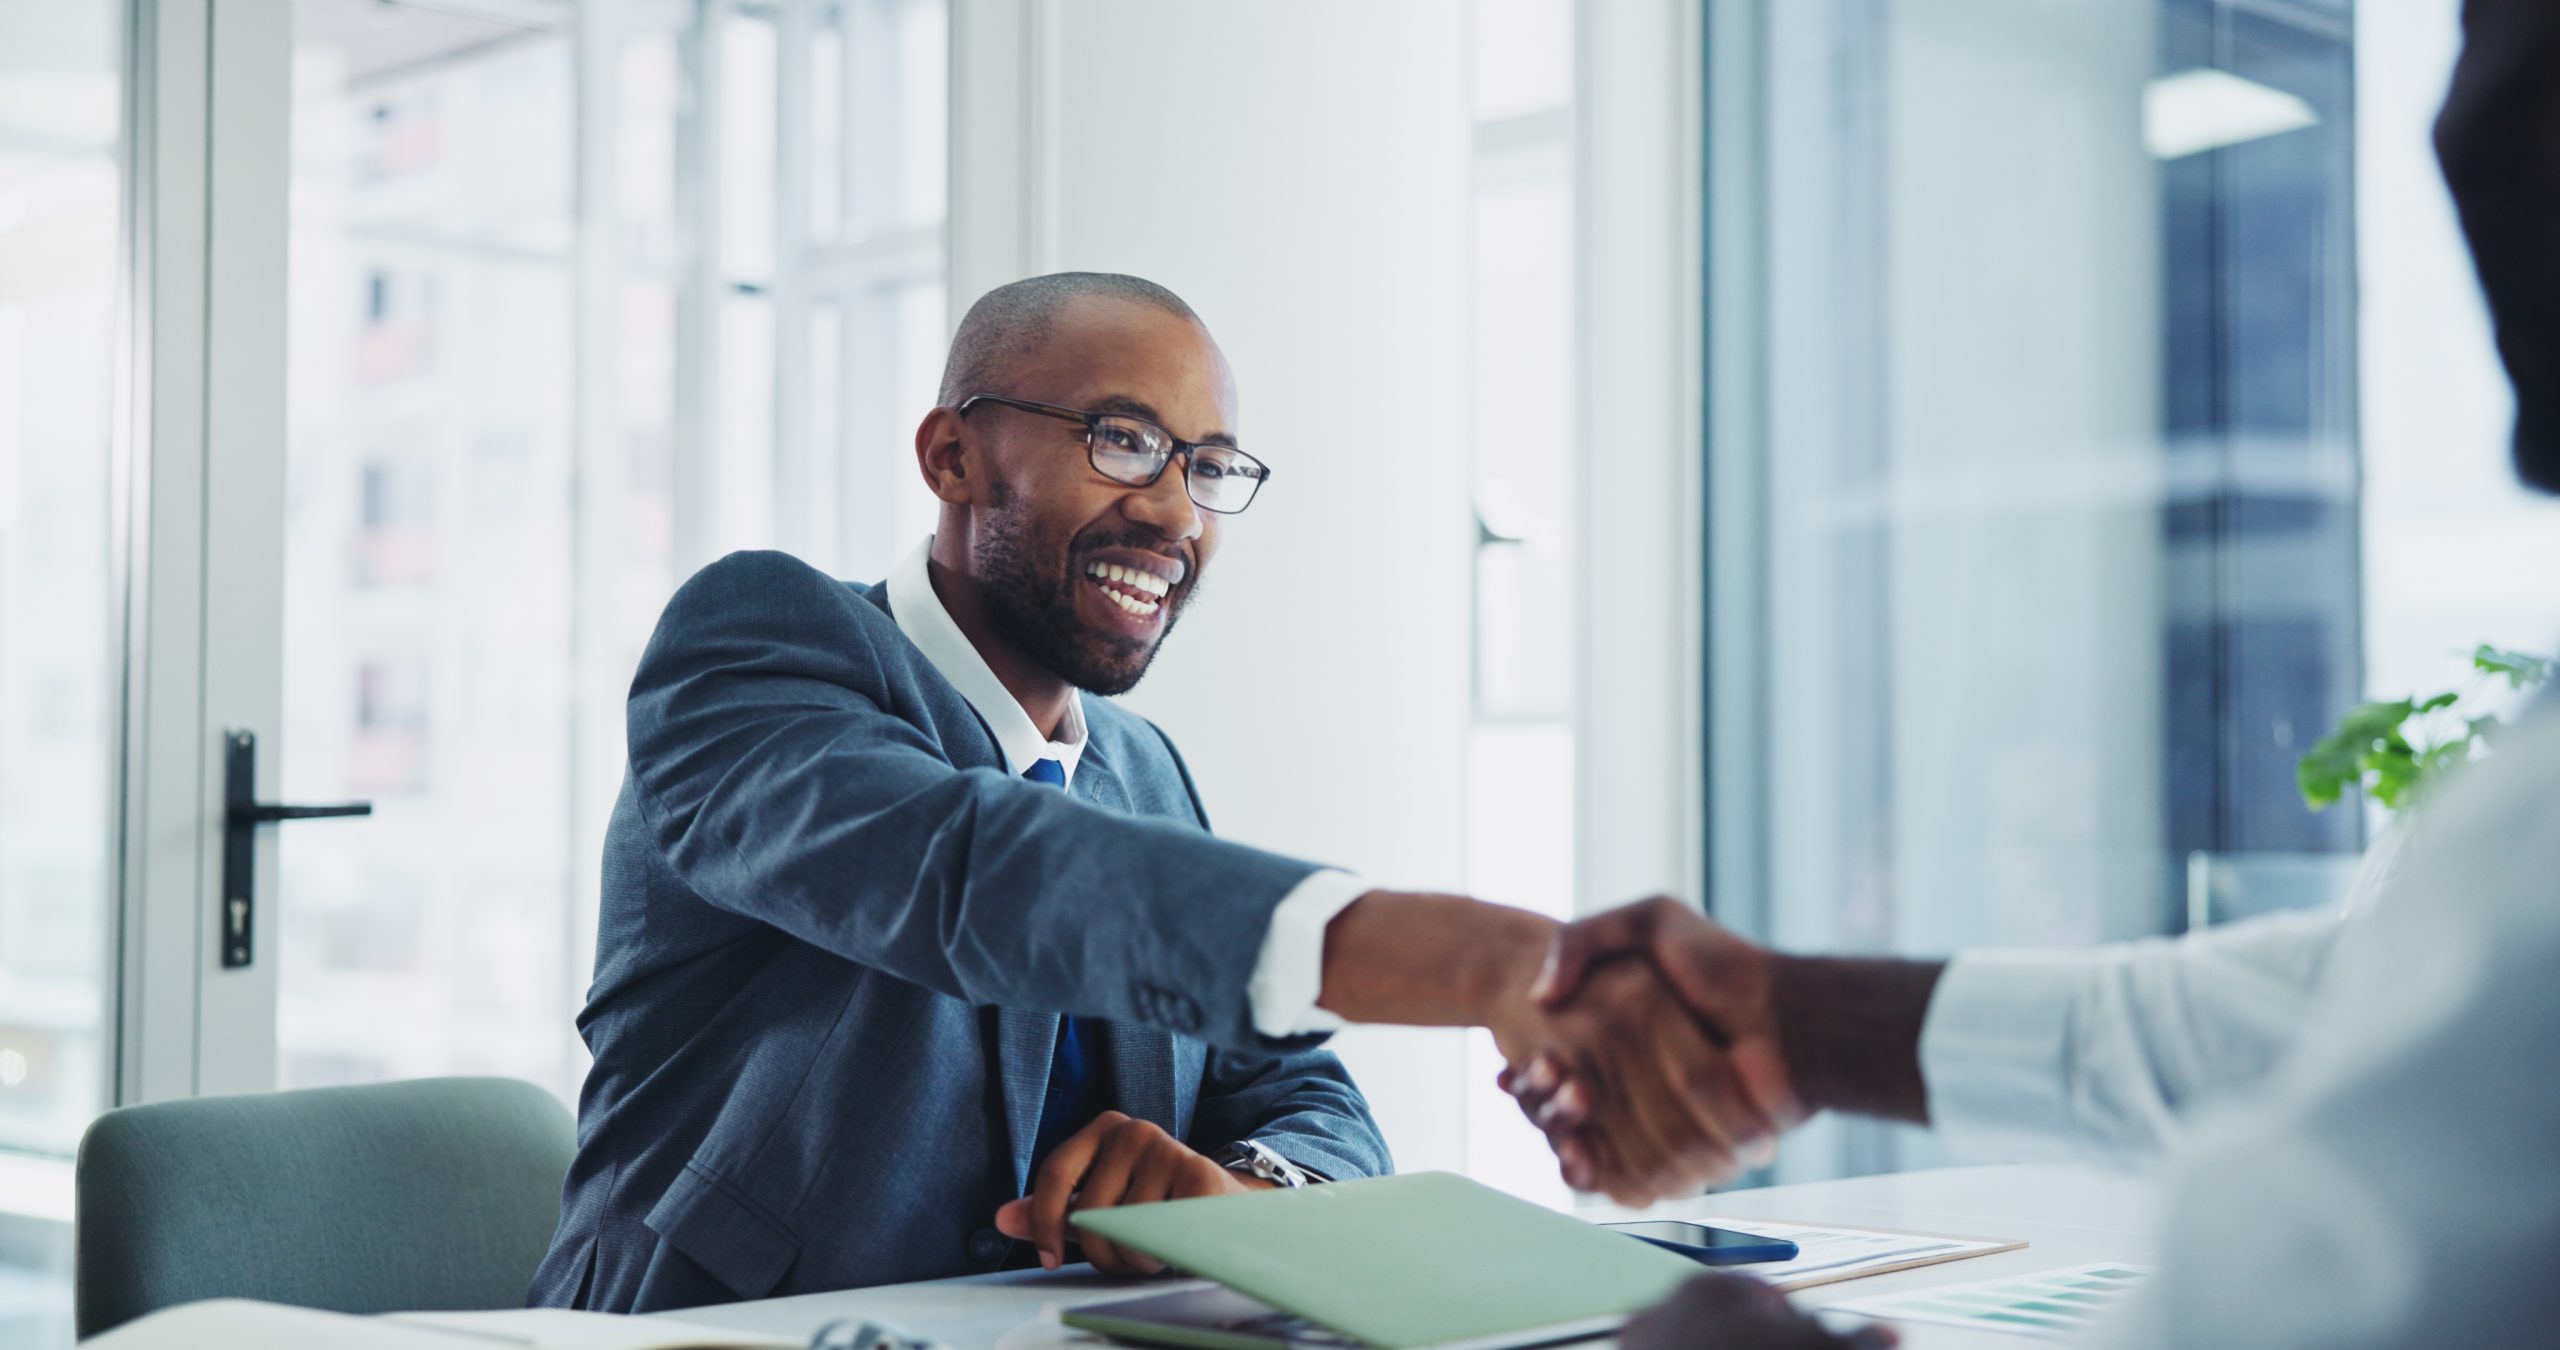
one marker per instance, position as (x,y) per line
(1143,540)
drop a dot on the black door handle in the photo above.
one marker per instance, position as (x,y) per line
(242,814)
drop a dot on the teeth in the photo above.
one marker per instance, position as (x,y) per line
(1141,608)
(1130,577)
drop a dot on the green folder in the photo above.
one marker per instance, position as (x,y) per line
(1428,1259)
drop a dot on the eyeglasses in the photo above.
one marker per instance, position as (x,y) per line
(1134,451)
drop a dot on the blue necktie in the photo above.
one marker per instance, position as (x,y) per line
(1072,1079)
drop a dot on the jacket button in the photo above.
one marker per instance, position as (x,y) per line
(987,1246)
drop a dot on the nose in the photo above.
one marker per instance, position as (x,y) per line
(1166,503)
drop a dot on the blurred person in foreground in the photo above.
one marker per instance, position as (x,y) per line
(2362,1114)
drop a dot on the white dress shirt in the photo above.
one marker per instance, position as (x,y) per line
(1289,974)
(2366,1121)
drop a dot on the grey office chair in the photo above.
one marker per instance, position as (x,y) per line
(439,1193)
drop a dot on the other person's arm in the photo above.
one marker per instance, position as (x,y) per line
(2095,1054)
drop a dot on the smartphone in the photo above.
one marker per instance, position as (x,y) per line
(1714,1246)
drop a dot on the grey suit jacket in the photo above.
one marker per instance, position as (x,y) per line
(837,934)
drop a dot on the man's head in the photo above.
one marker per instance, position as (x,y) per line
(2499,140)
(1082,574)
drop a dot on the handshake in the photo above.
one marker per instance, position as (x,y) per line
(1661,1054)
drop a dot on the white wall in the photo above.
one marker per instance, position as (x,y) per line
(1307,195)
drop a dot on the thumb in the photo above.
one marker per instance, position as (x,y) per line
(1578,945)
(1013,1219)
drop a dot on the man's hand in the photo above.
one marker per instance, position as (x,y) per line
(1736,1312)
(1656,1106)
(1723,981)
(1805,1034)
(1116,1160)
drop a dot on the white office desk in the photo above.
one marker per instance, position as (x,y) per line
(2068,1217)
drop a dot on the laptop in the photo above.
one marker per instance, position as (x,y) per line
(1427,1261)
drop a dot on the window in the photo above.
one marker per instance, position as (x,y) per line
(62,201)
(1522,448)
(540,371)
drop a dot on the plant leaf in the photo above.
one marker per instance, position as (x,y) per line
(2522,669)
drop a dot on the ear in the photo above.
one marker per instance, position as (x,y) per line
(949,457)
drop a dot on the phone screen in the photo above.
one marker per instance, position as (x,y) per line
(1690,1234)
(1714,1246)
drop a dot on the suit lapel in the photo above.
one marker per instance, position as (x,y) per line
(1026,1044)
(1144,1062)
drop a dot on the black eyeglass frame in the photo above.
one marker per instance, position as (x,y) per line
(1093,423)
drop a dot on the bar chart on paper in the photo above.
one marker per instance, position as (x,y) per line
(2050,1304)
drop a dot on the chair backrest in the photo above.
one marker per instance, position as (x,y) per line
(439,1193)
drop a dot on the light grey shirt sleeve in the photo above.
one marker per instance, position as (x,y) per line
(2098,1055)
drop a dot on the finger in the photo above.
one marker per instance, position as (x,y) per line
(1718,1101)
(1534,1086)
(1158,1176)
(1578,944)
(1567,1107)
(1059,1174)
(1106,1180)
(1013,1219)
(1714,1109)
(1669,1147)
(1573,1160)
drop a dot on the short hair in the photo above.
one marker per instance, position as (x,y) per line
(1011,321)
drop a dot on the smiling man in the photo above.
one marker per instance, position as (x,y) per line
(907,945)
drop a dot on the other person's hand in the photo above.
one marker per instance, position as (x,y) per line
(1116,1160)
(1649,1103)
(1722,981)
(1736,1312)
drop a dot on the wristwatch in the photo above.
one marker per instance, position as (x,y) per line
(1255,1159)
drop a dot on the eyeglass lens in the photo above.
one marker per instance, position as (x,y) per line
(1220,478)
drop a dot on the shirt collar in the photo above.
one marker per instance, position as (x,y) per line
(920,615)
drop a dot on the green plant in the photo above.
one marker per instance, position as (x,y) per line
(2395,750)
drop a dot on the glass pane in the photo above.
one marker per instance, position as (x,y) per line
(61,654)
(2131,415)
(880,75)
(428,535)
(2062,489)
(61,204)
(439,483)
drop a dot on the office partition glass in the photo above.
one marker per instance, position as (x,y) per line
(62,221)
(2058,476)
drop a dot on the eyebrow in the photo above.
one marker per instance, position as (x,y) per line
(1138,407)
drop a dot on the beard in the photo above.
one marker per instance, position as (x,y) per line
(1027,575)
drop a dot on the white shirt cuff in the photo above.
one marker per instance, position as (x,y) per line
(1290,973)
(1995,1052)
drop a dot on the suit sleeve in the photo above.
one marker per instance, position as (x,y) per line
(779,782)
(1303,1106)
